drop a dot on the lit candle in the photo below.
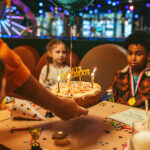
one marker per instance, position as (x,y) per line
(58,87)
(92,76)
(68,77)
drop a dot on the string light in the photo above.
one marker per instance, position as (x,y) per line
(131,8)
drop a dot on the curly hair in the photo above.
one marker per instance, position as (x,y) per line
(2,71)
(138,37)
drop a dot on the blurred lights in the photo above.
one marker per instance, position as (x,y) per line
(86,8)
(40,4)
(95,10)
(117,2)
(52,8)
(91,12)
(80,14)
(109,2)
(59,9)
(128,11)
(113,3)
(98,5)
(131,8)
(136,16)
(147,4)
(40,11)
(120,11)
(109,11)
(66,12)
(127,7)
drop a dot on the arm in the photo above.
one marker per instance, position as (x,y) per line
(64,108)
(20,80)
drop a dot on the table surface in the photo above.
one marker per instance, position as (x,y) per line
(91,132)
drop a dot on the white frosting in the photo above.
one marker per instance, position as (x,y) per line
(77,89)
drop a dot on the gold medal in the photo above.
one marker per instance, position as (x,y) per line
(132,101)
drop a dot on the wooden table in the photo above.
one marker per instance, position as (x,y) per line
(85,133)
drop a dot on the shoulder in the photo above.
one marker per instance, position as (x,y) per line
(123,71)
(44,68)
(147,72)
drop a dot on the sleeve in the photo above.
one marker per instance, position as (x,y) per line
(16,72)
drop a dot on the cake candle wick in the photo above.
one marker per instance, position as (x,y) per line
(58,87)
(92,77)
(68,78)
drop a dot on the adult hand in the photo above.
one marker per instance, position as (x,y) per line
(66,108)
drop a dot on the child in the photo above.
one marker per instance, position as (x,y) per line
(2,80)
(57,53)
(131,85)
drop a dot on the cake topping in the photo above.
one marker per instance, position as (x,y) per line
(59,135)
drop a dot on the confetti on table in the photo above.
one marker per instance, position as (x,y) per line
(44,139)
(107,131)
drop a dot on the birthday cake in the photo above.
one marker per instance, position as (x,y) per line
(84,93)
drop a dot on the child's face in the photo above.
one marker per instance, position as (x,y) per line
(58,54)
(2,90)
(137,57)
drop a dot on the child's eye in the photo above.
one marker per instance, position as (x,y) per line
(129,53)
(139,54)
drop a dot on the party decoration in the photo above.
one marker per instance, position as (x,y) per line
(76,72)
(21,109)
(35,133)
(74,5)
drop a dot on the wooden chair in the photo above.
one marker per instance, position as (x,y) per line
(28,55)
(108,58)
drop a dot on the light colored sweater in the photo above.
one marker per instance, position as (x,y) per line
(53,74)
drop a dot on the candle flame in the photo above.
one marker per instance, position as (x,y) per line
(58,78)
(94,70)
(68,77)
(92,74)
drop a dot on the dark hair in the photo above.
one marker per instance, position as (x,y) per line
(139,37)
(51,44)
(2,71)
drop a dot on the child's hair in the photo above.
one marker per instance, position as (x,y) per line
(139,37)
(2,71)
(51,44)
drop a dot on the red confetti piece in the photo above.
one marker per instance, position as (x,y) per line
(24,113)
(9,109)
(33,105)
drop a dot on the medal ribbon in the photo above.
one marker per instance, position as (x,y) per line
(138,81)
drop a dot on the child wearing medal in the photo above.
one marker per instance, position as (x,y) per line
(131,85)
